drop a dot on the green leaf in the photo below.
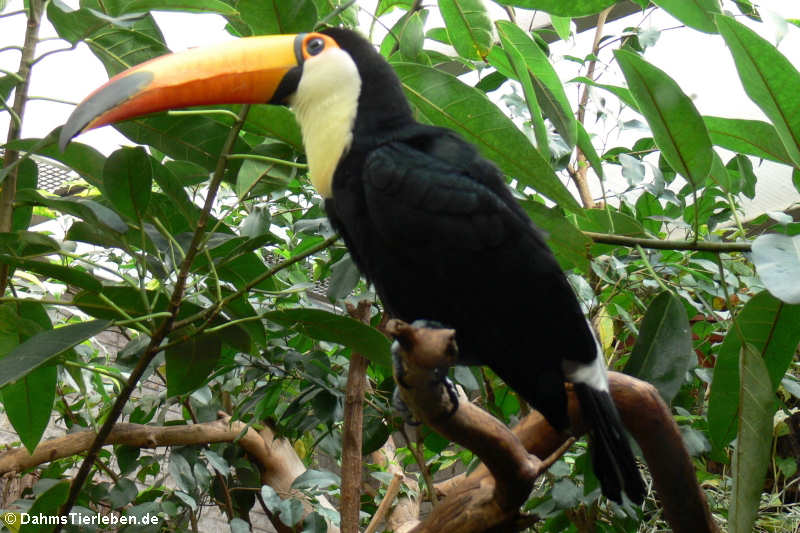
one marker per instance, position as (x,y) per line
(191,6)
(81,158)
(771,327)
(190,363)
(46,504)
(173,188)
(28,401)
(69,275)
(276,122)
(622,93)
(41,348)
(586,146)
(697,14)
(27,243)
(663,352)
(754,440)
(271,17)
(326,326)
(768,78)
(468,26)
(549,90)
(678,129)
(609,221)
(189,138)
(562,25)
(573,8)
(444,100)
(27,178)
(568,243)
(752,137)
(128,180)
(777,260)
(88,210)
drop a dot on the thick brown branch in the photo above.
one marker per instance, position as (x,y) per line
(424,356)
(474,503)
(352,430)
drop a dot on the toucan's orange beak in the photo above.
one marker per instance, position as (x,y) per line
(248,70)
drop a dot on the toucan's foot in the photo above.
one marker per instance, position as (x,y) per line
(452,393)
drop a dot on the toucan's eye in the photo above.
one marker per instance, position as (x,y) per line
(315,46)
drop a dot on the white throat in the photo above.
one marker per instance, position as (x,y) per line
(325,105)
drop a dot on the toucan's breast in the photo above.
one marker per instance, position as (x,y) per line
(326,104)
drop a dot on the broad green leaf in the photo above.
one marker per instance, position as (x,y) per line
(609,221)
(586,146)
(83,208)
(444,100)
(326,326)
(468,26)
(27,178)
(384,6)
(697,14)
(173,187)
(46,504)
(573,8)
(549,89)
(754,440)
(257,178)
(27,243)
(27,402)
(276,17)
(276,122)
(751,137)
(509,62)
(768,78)
(118,43)
(128,180)
(777,260)
(771,327)
(562,25)
(189,138)
(663,352)
(41,348)
(190,363)
(68,274)
(568,243)
(622,93)
(412,36)
(192,6)
(81,158)
(678,129)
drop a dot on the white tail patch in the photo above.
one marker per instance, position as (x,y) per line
(593,374)
(325,104)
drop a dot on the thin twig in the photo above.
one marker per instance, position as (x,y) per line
(658,244)
(155,341)
(386,503)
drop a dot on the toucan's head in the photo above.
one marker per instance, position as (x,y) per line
(338,85)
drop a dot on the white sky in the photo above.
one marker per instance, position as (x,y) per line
(700,64)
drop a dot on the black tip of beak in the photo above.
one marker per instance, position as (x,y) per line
(106,98)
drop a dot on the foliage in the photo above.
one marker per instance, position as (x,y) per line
(255,336)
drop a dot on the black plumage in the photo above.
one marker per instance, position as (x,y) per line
(433,226)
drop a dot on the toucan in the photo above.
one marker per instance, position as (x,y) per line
(428,221)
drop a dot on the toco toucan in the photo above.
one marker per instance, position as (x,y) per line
(429,222)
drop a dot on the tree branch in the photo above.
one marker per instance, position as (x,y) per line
(8,189)
(658,244)
(491,492)
(352,429)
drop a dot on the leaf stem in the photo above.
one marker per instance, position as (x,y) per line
(658,244)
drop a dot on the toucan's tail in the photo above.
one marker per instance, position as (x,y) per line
(611,454)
